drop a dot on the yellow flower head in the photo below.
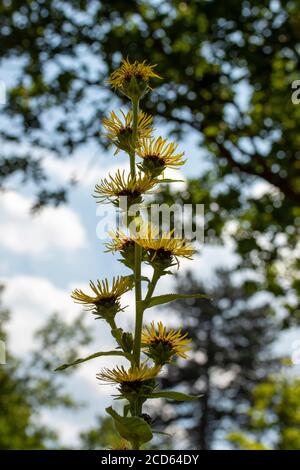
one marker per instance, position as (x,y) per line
(133,78)
(157,154)
(110,189)
(134,379)
(161,345)
(106,300)
(162,249)
(125,245)
(119,375)
(119,130)
(119,241)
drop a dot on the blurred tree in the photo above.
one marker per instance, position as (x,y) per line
(229,67)
(265,242)
(231,353)
(28,385)
(101,436)
(104,436)
(274,417)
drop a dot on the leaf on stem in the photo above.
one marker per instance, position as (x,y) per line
(165,298)
(133,429)
(169,180)
(177,396)
(143,278)
(88,358)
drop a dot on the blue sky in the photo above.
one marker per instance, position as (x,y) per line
(44,257)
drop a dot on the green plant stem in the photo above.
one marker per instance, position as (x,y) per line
(112,323)
(135,113)
(138,309)
(132,164)
(137,253)
(152,285)
(139,315)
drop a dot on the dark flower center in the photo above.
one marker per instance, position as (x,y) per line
(107,301)
(163,341)
(127,192)
(130,386)
(125,130)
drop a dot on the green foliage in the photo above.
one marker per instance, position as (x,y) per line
(274,417)
(243,442)
(28,386)
(88,358)
(103,436)
(254,46)
(133,429)
(17,428)
(232,339)
(166,298)
(226,50)
(232,89)
(263,236)
(171,395)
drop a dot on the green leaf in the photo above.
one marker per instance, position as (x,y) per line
(165,298)
(133,429)
(178,396)
(161,433)
(117,334)
(143,278)
(88,358)
(169,180)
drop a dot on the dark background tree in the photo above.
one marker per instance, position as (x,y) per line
(232,339)
(274,417)
(101,436)
(29,386)
(228,69)
(231,353)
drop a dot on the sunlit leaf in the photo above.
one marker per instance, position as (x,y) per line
(88,358)
(165,298)
(177,396)
(133,429)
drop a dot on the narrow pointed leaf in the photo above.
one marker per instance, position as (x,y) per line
(143,278)
(165,298)
(170,180)
(177,396)
(88,358)
(161,433)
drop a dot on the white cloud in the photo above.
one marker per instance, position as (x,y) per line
(53,229)
(83,169)
(86,170)
(69,423)
(31,300)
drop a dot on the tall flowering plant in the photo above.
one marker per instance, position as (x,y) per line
(148,348)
